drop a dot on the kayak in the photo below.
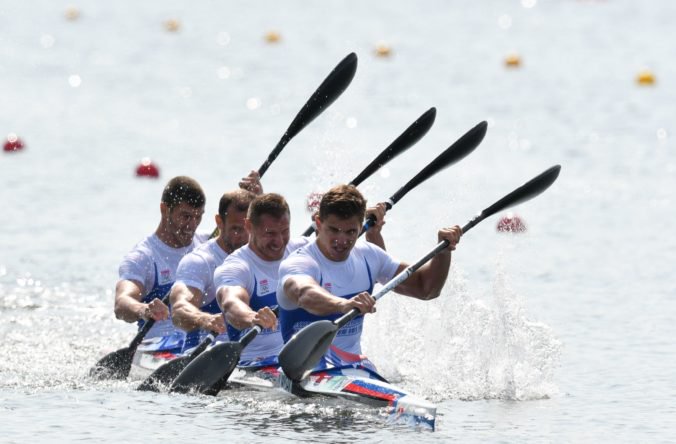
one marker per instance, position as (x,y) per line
(353,384)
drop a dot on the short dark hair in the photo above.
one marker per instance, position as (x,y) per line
(183,189)
(238,199)
(272,204)
(344,201)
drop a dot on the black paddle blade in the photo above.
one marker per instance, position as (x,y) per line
(306,348)
(461,148)
(208,369)
(407,139)
(163,375)
(327,93)
(115,365)
(525,192)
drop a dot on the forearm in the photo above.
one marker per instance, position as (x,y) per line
(187,317)
(237,312)
(128,305)
(314,299)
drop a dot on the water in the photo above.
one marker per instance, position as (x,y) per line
(563,333)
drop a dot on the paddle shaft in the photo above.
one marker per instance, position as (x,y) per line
(456,152)
(525,192)
(407,139)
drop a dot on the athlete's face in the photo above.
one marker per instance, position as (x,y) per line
(269,237)
(233,233)
(180,223)
(336,236)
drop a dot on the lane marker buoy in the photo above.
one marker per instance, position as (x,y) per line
(12,143)
(511,223)
(147,169)
(645,77)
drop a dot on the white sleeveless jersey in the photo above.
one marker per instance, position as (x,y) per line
(243,268)
(153,263)
(366,264)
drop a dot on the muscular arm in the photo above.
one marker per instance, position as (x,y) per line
(374,234)
(234,301)
(128,305)
(186,314)
(311,297)
(426,283)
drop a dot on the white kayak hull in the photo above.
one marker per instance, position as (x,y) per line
(352,384)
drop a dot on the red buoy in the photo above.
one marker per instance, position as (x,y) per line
(312,202)
(12,143)
(511,223)
(147,169)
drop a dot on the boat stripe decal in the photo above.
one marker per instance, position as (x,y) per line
(372,390)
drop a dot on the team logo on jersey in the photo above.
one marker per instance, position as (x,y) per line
(165,276)
(264,286)
(327,286)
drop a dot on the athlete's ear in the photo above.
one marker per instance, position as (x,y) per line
(164,210)
(318,221)
(248,226)
(219,222)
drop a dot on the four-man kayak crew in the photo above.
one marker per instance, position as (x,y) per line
(193,295)
(247,281)
(337,271)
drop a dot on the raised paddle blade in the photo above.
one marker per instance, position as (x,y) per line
(115,365)
(208,368)
(330,89)
(407,139)
(306,348)
(525,192)
(454,153)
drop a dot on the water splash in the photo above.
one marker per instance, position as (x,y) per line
(462,347)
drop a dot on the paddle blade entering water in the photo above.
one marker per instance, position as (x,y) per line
(164,375)
(115,365)
(306,348)
(208,369)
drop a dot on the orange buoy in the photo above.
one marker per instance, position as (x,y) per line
(645,77)
(513,60)
(272,37)
(383,49)
(147,169)
(12,143)
(172,25)
(72,13)
(511,223)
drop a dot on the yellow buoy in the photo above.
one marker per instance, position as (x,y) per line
(272,37)
(383,49)
(172,25)
(513,60)
(72,13)
(645,77)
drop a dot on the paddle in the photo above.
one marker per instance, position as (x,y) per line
(407,139)
(166,373)
(331,88)
(117,364)
(306,348)
(461,148)
(209,372)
